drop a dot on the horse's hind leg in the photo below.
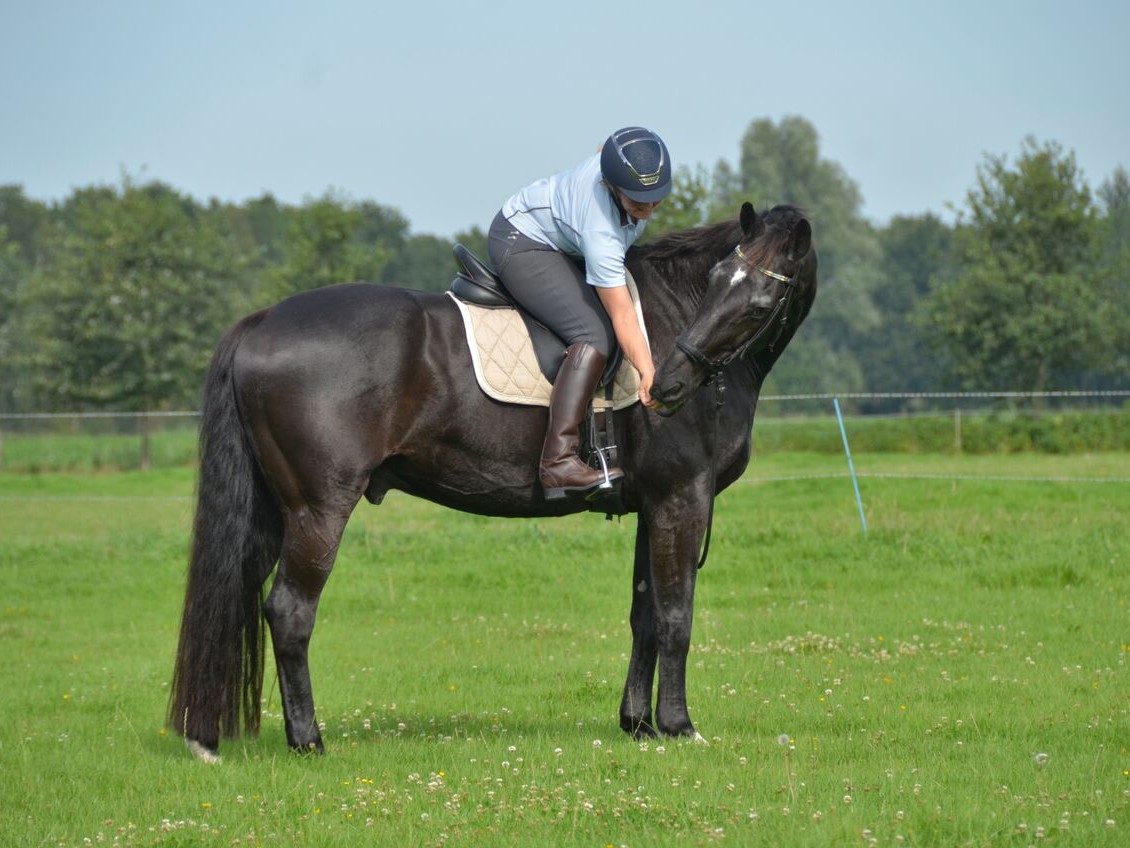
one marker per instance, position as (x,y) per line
(310,546)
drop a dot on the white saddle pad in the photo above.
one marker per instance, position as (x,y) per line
(507,367)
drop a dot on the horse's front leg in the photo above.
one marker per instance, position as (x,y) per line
(675,534)
(635,707)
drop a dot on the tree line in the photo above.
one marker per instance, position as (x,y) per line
(113,298)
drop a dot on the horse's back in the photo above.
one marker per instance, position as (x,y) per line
(313,322)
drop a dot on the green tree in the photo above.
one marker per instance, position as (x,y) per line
(1025,306)
(256,231)
(687,204)
(1114,240)
(1114,194)
(12,273)
(24,228)
(128,309)
(265,225)
(26,222)
(916,251)
(322,248)
(334,240)
(423,262)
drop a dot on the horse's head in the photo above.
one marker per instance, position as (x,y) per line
(755,297)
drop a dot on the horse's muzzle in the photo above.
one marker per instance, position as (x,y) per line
(671,397)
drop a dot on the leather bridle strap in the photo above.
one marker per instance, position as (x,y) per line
(698,357)
(719,401)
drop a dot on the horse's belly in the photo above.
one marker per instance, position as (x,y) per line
(509,489)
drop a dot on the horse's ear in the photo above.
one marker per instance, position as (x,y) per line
(800,242)
(749,220)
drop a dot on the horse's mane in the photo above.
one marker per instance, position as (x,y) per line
(714,240)
(696,250)
(680,260)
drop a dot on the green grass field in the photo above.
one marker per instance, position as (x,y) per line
(956,677)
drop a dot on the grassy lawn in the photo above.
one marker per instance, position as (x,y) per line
(957,676)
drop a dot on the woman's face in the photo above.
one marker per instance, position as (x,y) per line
(639,211)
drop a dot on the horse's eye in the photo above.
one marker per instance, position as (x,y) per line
(758,311)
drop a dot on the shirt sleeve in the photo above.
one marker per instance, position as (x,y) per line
(604,259)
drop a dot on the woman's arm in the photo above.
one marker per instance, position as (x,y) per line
(618,304)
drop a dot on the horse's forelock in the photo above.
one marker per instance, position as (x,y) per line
(773,239)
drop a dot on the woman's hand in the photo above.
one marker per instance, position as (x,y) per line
(618,304)
(645,390)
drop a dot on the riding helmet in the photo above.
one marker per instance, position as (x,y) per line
(635,161)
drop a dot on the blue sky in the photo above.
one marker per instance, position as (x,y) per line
(442,109)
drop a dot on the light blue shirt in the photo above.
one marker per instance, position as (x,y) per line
(575,213)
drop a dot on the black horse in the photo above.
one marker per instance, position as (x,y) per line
(349,391)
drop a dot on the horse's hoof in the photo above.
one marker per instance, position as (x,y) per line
(202,752)
(638,730)
(310,749)
(699,739)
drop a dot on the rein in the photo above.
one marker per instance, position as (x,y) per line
(719,400)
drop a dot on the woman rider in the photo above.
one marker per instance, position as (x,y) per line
(559,246)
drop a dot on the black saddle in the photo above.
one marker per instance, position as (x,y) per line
(476,283)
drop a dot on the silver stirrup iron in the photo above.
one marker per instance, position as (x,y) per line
(606,484)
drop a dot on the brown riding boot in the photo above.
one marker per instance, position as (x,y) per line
(562,472)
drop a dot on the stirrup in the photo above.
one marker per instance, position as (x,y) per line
(606,484)
(595,491)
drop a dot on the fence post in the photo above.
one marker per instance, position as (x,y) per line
(957,430)
(145,462)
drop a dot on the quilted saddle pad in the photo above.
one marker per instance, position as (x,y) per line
(507,368)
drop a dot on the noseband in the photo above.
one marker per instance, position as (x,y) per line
(780,311)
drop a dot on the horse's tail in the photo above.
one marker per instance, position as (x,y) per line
(236,539)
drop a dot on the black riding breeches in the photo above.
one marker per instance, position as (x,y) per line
(551,286)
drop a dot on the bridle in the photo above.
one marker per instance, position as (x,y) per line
(780,311)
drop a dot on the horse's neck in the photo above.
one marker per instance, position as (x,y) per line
(668,308)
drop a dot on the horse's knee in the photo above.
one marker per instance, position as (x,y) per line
(673,634)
